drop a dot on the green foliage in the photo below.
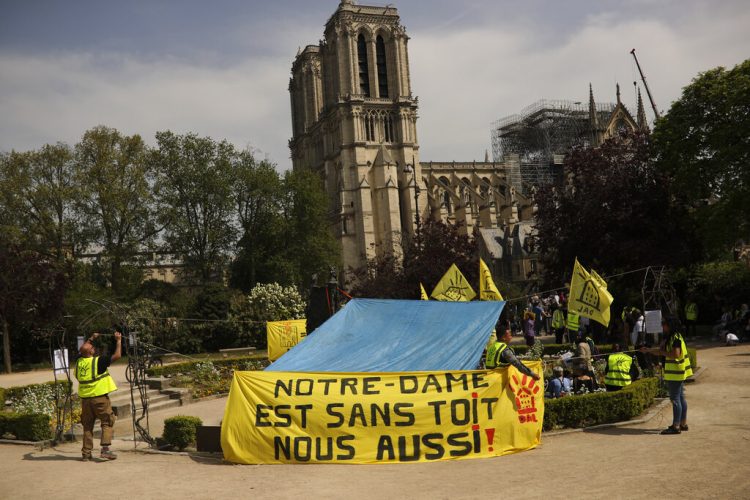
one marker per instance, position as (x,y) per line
(180,431)
(714,285)
(32,289)
(223,365)
(208,378)
(195,177)
(26,427)
(212,304)
(16,394)
(425,261)
(600,407)
(702,143)
(116,200)
(265,302)
(39,192)
(287,228)
(614,194)
(258,193)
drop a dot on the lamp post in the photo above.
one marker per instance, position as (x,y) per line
(410,169)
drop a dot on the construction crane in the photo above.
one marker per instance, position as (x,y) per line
(648,91)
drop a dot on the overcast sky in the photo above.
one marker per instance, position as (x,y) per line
(221,68)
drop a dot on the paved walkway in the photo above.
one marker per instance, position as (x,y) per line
(625,462)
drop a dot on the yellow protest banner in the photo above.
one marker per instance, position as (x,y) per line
(453,287)
(588,295)
(422,293)
(487,288)
(294,417)
(283,335)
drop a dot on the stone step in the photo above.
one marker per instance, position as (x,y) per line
(157,400)
(152,396)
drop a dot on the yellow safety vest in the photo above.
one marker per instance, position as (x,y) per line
(492,360)
(691,311)
(618,369)
(558,319)
(573,321)
(677,369)
(90,382)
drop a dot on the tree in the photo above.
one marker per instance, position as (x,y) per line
(613,212)
(32,289)
(39,190)
(309,243)
(258,192)
(116,196)
(287,228)
(703,143)
(424,261)
(195,176)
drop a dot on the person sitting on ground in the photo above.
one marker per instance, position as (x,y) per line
(583,355)
(720,328)
(558,386)
(500,354)
(582,382)
(620,371)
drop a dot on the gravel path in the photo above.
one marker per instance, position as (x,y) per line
(624,462)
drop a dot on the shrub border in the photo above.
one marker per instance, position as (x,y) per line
(186,366)
(26,427)
(600,407)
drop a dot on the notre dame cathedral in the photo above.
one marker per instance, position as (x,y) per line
(354,120)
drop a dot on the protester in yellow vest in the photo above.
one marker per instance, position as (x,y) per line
(558,323)
(676,369)
(94,385)
(620,370)
(572,325)
(500,355)
(691,316)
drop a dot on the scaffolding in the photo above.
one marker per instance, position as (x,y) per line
(535,141)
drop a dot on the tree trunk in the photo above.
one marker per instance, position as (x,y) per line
(6,346)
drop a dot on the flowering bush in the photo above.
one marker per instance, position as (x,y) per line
(265,302)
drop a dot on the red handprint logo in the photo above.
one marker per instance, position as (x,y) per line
(525,392)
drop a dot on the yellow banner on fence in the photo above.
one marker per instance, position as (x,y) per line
(283,335)
(295,417)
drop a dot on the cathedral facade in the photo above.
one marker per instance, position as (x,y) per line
(354,121)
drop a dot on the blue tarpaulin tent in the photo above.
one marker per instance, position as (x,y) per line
(375,335)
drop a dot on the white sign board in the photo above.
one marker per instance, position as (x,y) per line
(653,321)
(60,361)
(80,341)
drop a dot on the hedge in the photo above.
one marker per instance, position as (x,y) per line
(553,349)
(26,427)
(600,407)
(176,368)
(180,431)
(17,392)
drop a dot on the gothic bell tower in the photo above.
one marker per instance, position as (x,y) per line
(354,121)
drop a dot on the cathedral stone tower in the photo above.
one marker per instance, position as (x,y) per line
(354,122)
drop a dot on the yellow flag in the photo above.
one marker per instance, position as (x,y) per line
(422,293)
(487,288)
(453,287)
(588,295)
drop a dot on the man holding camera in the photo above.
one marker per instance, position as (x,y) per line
(94,385)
